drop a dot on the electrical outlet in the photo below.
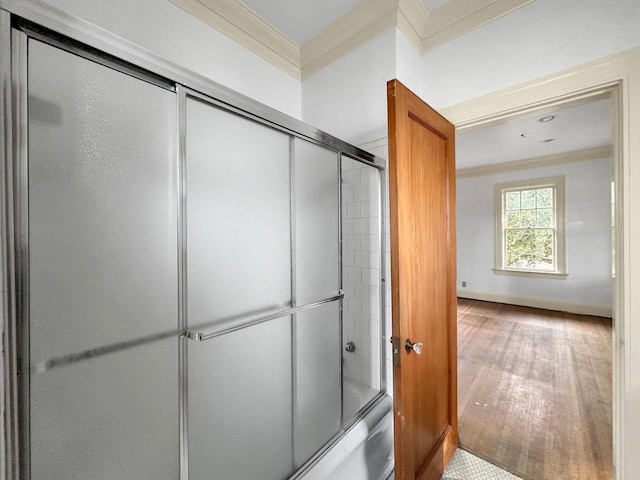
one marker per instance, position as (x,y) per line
(464,284)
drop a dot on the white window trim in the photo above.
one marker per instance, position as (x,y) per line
(560,238)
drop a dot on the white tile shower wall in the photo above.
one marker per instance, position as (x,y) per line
(361,271)
(380,148)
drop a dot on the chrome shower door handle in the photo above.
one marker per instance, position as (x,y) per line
(416,347)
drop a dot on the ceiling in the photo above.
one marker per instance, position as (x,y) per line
(301,20)
(572,129)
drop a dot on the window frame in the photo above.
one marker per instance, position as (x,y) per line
(500,189)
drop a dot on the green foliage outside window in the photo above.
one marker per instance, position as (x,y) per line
(529,229)
(530,249)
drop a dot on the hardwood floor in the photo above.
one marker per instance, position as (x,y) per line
(534,390)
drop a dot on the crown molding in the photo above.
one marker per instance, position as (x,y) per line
(242,24)
(413,20)
(568,157)
(362,23)
(459,17)
(367,20)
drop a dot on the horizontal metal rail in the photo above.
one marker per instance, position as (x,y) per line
(202,336)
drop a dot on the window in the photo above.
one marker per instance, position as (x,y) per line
(530,227)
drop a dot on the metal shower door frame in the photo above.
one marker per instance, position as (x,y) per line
(18,20)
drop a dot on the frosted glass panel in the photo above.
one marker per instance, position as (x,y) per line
(110,417)
(103,275)
(240,404)
(238,218)
(102,205)
(316,220)
(361,280)
(317,379)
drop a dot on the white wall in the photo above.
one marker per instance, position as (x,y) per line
(588,233)
(168,31)
(348,98)
(408,64)
(541,38)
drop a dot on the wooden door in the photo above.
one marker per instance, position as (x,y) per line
(423,272)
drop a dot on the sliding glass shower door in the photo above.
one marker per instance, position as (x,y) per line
(317,386)
(362,271)
(238,268)
(263,296)
(99,200)
(179,278)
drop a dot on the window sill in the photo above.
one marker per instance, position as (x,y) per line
(528,273)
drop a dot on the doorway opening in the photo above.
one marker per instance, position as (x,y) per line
(609,95)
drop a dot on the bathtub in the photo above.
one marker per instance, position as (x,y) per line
(365,452)
(355,396)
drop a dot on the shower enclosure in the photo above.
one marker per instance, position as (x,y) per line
(197,279)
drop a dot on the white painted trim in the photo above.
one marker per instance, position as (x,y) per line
(531,274)
(618,76)
(529,163)
(539,109)
(364,22)
(242,24)
(590,81)
(558,184)
(458,17)
(580,308)
(413,21)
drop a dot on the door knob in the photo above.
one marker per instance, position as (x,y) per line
(416,347)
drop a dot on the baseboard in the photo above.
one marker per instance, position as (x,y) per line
(580,308)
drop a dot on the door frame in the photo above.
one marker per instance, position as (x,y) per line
(618,78)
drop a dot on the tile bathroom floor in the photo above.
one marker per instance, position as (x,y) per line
(465,466)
